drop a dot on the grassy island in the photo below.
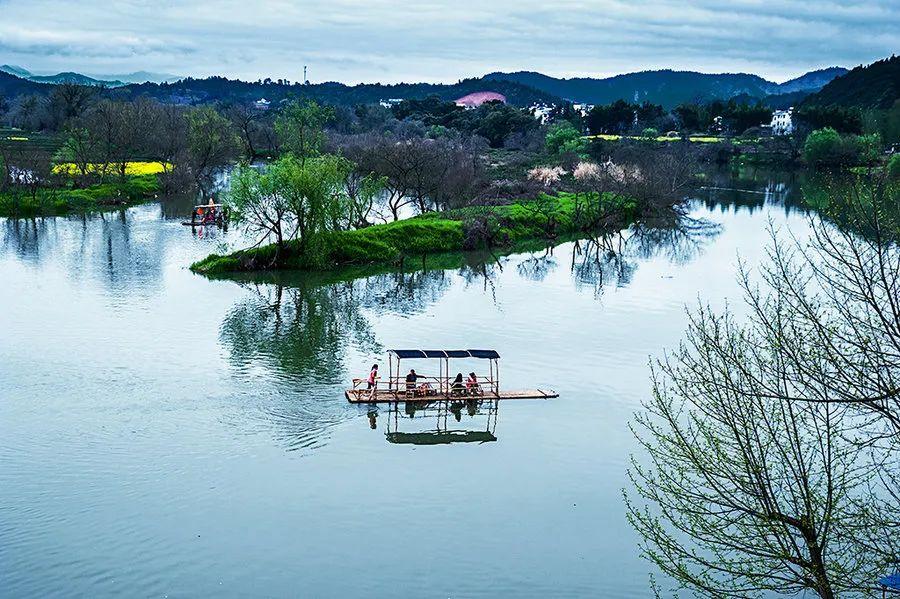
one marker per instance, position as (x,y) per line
(545,218)
(52,201)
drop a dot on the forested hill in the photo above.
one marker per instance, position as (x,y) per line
(11,86)
(667,87)
(872,86)
(221,89)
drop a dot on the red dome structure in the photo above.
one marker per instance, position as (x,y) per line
(476,99)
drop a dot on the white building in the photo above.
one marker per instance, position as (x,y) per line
(542,111)
(390,102)
(782,123)
(262,104)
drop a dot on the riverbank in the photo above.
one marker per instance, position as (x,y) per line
(134,189)
(430,234)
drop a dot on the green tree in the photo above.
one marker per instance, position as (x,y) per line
(300,126)
(611,118)
(293,200)
(823,146)
(496,121)
(563,137)
(650,134)
(893,166)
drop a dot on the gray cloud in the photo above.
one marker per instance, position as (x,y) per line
(385,40)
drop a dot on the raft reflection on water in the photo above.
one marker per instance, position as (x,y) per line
(480,416)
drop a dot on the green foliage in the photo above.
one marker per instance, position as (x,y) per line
(425,235)
(301,127)
(616,117)
(562,138)
(494,121)
(884,122)
(893,166)
(103,196)
(211,141)
(826,147)
(650,134)
(841,119)
(293,199)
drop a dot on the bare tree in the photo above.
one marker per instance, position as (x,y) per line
(773,444)
(68,101)
(246,122)
(212,144)
(747,494)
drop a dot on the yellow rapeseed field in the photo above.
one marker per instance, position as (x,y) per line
(131,168)
(693,138)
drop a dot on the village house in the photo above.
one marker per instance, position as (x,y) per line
(782,123)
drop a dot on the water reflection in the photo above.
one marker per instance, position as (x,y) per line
(440,422)
(125,249)
(612,258)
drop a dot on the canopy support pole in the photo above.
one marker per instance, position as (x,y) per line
(497,369)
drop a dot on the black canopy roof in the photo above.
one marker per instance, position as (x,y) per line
(483,354)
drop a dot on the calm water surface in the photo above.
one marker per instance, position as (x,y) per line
(162,434)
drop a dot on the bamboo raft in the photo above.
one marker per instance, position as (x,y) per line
(440,388)
(393,396)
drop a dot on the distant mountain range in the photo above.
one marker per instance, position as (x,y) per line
(872,86)
(80,79)
(668,87)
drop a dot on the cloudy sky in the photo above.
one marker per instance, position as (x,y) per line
(390,41)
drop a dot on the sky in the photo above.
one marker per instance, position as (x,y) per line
(356,41)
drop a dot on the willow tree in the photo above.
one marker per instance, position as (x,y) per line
(300,127)
(771,443)
(292,201)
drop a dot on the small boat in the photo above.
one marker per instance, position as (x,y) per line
(208,215)
(435,388)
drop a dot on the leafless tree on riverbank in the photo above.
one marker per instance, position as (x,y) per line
(772,445)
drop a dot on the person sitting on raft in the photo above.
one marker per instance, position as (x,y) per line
(210,216)
(411,382)
(458,387)
(472,386)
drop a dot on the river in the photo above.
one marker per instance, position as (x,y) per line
(162,434)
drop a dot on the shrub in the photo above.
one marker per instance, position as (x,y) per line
(826,147)
(893,166)
(563,137)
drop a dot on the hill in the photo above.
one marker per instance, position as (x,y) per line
(811,81)
(212,89)
(140,77)
(66,77)
(77,78)
(872,86)
(10,86)
(666,87)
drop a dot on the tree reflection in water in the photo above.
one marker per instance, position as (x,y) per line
(298,330)
(611,257)
(537,267)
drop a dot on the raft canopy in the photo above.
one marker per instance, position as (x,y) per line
(481,354)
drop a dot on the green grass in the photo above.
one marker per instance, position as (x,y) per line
(425,237)
(56,201)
